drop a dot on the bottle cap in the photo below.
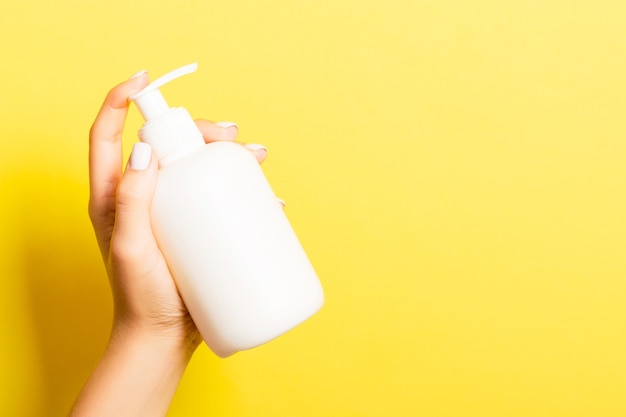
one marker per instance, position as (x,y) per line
(150,102)
(171,132)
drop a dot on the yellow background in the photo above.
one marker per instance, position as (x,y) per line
(456,171)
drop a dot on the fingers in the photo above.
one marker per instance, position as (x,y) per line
(105,154)
(259,151)
(227,131)
(133,233)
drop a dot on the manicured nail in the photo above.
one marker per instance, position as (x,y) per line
(281,202)
(227,124)
(138,74)
(259,151)
(140,156)
(255,147)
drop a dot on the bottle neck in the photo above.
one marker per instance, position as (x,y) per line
(172,135)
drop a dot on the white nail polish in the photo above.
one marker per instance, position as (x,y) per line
(281,202)
(255,147)
(138,74)
(227,124)
(140,156)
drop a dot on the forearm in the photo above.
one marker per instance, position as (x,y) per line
(137,376)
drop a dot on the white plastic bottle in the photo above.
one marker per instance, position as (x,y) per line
(235,258)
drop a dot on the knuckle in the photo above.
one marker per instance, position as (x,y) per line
(92,211)
(125,251)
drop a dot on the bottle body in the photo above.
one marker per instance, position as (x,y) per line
(235,258)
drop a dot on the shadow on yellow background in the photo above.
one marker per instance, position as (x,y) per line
(63,305)
(67,294)
(455,171)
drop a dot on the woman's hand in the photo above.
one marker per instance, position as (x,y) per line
(144,294)
(153,336)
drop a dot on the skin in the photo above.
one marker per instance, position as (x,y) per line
(153,337)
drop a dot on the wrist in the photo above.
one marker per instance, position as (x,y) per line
(159,341)
(137,375)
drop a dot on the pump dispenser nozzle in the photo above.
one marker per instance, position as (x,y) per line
(150,102)
(171,132)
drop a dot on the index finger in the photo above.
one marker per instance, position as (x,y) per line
(105,146)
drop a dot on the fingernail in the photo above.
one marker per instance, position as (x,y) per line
(140,156)
(138,74)
(281,202)
(227,124)
(255,147)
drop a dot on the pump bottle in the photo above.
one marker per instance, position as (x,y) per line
(237,262)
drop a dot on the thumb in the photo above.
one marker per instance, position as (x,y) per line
(133,233)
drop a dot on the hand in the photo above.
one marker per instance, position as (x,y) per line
(153,336)
(144,293)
